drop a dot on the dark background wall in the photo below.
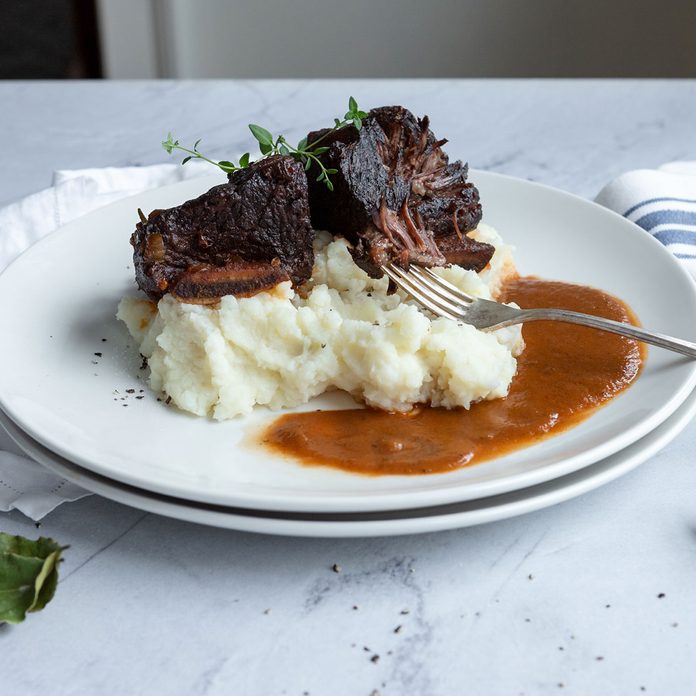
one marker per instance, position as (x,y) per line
(48,39)
(358,38)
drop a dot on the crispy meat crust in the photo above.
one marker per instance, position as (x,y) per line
(237,239)
(397,197)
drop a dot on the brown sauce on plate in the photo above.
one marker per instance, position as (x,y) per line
(563,375)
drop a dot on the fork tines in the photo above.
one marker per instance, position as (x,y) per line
(434,293)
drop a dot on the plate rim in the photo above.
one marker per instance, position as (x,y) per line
(520,502)
(437,495)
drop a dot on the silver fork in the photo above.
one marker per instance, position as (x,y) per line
(446,300)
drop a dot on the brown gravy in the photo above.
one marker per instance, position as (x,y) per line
(565,373)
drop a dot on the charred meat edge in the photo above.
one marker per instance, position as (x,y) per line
(239,238)
(396,197)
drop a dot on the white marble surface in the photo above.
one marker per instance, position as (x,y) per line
(566,600)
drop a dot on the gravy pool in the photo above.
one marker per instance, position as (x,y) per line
(563,375)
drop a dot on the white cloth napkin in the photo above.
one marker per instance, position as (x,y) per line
(662,201)
(31,489)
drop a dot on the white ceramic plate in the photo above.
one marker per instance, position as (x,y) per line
(58,300)
(396,522)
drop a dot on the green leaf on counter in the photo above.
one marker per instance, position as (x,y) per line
(28,575)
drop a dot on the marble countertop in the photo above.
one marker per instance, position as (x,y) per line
(594,596)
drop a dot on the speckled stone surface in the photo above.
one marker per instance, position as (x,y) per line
(594,596)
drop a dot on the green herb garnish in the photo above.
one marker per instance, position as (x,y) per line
(28,575)
(278,145)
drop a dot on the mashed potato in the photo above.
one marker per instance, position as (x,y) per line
(281,348)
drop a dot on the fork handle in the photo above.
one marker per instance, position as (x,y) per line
(657,339)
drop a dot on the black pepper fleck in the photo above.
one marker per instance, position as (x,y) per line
(336,568)
(403,612)
(168,400)
(374,659)
(99,355)
(130,391)
(140,397)
(398,629)
(355,607)
(103,340)
(662,595)
(599,658)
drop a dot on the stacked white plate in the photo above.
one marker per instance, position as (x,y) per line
(58,400)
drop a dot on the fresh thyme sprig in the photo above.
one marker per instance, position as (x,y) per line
(170,145)
(304,152)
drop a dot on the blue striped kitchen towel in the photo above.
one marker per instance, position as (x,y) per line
(663,202)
